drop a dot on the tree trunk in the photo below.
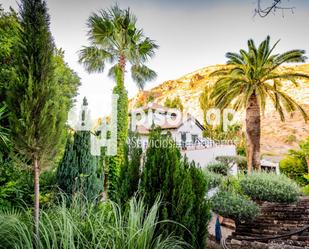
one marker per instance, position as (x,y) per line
(36,196)
(253,132)
(122,64)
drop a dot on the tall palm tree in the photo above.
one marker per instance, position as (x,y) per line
(115,39)
(249,79)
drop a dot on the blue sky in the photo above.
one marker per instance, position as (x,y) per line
(191,33)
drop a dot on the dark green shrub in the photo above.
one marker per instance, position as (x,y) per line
(295,168)
(219,168)
(77,171)
(270,187)
(182,187)
(234,206)
(130,171)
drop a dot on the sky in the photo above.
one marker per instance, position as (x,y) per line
(191,34)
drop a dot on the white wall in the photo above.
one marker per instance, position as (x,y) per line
(208,155)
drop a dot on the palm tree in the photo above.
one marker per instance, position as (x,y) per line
(249,79)
(115,39)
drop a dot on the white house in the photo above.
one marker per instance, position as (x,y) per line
(185,130)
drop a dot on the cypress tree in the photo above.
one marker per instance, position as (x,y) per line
(67,172)
(78,170)
(162,160)
(87,181)
(35,98)
(182,187)
(130,172)
(190,208)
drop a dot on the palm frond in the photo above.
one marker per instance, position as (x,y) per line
(141,74)
(94,58)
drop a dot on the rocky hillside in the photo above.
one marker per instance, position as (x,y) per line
(277,137)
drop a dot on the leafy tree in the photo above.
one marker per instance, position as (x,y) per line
(9,26)
(115,38)
(182,187)
(295,168)
(131,170)
(303,152)
(251,77)
(35,99)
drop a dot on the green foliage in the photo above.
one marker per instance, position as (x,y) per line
(303,151)
(130,172)
(189,206)
(174,103)
(9,27)
(182,187)
(305,190)
(291,139)
(88,182)
(83,225)
(294,168)
(258,64)
(67,171)
(270,187)
(219,168)
(234,206)
(116,162)
(241,161)
(150,98)
(213,179)
(16,184)
(114,37)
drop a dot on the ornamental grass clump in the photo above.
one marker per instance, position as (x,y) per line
(262,186)
(86,226)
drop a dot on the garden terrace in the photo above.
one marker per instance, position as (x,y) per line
(282,225)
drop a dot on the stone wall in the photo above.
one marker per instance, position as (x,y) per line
(275,219)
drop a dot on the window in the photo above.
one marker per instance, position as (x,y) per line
(194,138)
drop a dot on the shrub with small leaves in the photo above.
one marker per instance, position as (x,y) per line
(219,168)
(262,186)
(234,206)
(240,161)
(213,179)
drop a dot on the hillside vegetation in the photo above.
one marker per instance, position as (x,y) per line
(277,137)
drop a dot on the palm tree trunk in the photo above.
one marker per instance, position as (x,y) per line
(253,130)
(116,162)
(36,196)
